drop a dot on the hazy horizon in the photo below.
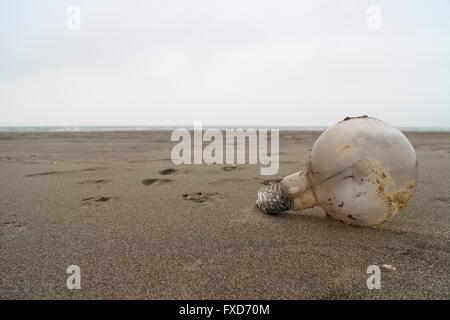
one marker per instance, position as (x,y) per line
(234,63)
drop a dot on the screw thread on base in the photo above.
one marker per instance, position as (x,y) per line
(270,199)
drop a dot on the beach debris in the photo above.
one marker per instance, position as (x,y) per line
(389,267)
(361,171)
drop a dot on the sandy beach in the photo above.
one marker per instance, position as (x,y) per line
(114,204)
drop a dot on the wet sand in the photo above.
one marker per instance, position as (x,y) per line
(138,226)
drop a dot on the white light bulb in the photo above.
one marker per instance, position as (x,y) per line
(361,171)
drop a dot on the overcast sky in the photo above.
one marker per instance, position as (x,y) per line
(229,62)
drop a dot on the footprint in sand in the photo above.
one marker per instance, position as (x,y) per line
(149,182)
(442,199)
(99,181)
(200,197)
(14,225)
(64,172)
(231,168)
(92,200)
(168,171)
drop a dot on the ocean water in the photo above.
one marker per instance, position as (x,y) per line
(189,127)
(144,128)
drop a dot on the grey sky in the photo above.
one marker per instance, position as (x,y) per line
(234,62)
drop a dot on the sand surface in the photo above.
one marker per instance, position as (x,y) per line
(105,202)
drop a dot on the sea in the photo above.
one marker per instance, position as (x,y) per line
(189,127)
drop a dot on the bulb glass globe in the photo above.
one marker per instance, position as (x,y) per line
(362,171)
